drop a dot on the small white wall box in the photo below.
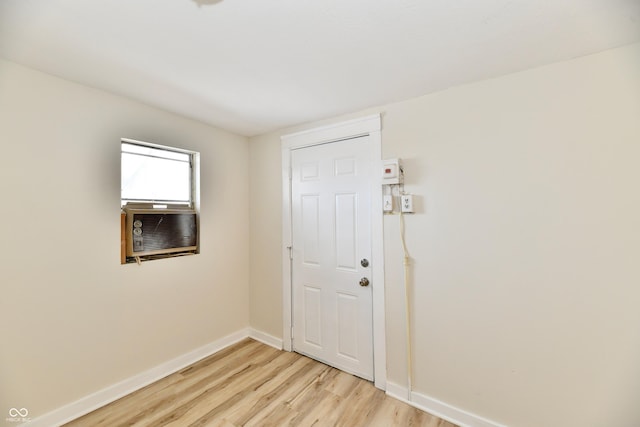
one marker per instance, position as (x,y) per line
(407,203)
(387,203)
(391,172)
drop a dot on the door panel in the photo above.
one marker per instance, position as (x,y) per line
(346,235)
(331,220)
(312,317)
(347,321)
(310,217)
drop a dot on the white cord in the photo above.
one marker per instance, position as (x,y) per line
(407,301)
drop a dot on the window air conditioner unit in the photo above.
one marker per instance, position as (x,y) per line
(160,231)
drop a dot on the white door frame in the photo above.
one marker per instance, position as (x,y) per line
(370,125)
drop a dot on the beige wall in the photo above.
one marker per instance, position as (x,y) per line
(266,235)
(72,319)
(526,245)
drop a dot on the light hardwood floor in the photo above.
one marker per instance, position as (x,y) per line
(252,384)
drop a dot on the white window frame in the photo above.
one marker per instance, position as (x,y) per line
(194,160)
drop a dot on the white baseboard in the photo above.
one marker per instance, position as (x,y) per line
(107,395)
(397,391)
(266,338)
(438,408)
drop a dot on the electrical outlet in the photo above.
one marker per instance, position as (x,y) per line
(407,203)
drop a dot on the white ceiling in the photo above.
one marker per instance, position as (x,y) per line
(252,66)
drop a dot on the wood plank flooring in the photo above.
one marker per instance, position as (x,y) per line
(252,384)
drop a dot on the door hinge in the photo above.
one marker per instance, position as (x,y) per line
(290,252)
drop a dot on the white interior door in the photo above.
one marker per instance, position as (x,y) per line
(331,225)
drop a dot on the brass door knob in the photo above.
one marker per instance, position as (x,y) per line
(364,282)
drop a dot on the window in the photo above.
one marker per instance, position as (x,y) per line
(156,174)
(158,197)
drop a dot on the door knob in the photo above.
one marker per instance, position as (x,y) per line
(364,282)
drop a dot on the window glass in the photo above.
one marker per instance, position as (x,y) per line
(151,174)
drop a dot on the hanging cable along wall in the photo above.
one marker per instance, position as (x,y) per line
(406,262)
(393,178)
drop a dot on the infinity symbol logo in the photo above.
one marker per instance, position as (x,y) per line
(14,412)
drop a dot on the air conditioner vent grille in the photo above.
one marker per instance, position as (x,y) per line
(151,233)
